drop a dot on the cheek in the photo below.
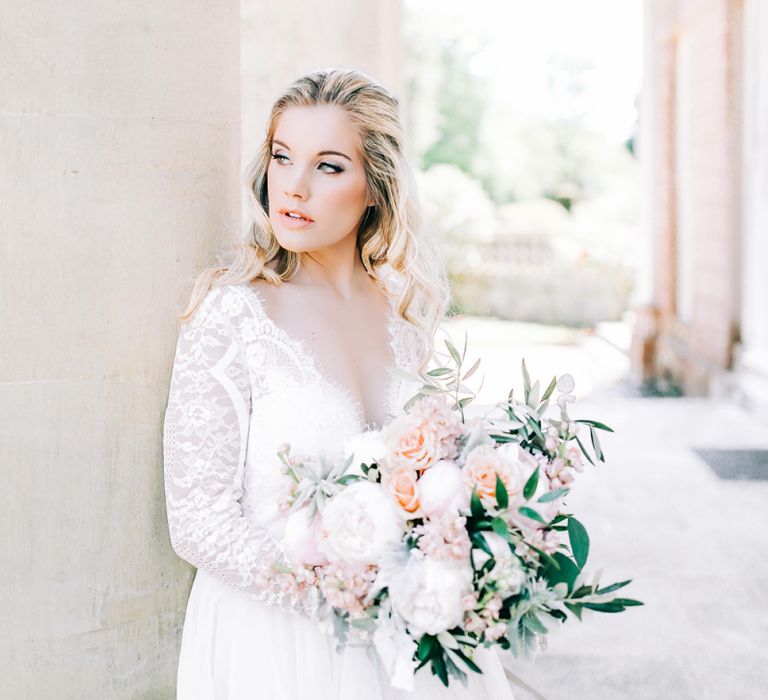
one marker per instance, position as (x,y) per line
(346,198)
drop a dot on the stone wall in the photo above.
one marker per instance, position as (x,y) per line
(120,153)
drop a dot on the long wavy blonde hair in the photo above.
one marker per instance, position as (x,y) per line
(389,231)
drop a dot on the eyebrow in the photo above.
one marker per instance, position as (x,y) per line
(320,153)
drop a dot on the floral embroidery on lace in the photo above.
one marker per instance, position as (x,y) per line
(229,357)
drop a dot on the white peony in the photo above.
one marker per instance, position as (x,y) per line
(429,593)
(441,490)
(300,538)
(364,448)
(358,524)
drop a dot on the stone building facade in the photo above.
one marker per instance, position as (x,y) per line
(702,299)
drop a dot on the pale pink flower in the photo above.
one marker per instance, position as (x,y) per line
(496,631)
(441,490)
(474,623)
(573,455)
(436,412)
(345,587)
(300,542)
(359,524)
(493,605)
(444,538)
(469,601)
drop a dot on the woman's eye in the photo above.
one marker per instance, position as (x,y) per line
(333,168)
(325,167)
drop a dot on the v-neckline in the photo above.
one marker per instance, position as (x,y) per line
(299,347)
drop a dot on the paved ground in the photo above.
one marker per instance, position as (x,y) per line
(695,546)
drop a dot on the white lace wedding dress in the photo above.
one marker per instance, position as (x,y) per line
(240,388)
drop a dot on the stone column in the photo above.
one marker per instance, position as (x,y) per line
(752,361)
(119,165)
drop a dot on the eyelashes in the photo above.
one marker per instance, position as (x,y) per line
(334,169)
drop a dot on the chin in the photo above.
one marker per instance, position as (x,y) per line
(294,244)
(300,242)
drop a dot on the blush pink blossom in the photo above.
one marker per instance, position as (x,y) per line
(444,538)
(436,412)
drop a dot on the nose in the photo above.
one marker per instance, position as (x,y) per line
(296,186)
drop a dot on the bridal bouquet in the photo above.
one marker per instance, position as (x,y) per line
(441,533)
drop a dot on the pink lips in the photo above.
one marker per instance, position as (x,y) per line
(292,221)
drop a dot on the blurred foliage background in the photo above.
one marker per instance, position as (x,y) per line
(522,134)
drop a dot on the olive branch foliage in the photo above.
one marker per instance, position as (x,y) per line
(555,583)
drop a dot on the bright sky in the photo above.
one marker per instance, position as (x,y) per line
(523,35)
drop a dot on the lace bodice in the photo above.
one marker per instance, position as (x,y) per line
(240,388)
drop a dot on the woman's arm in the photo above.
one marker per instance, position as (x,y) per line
(204,441)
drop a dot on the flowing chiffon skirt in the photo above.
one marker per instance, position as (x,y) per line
(234,648)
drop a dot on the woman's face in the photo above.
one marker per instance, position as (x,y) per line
(316,170)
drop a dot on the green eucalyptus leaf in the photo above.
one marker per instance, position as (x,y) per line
(453,351)
(534,624)
(614,587)
(439,667)
(552,495)
(596,444)
(526,381)
(533,397)
(500,527)
(349,478)
(530,486)
(475,505)
(574,608)
(533,424)
(471,370)
(628,602)
(410,402)
(566,571)
(502,497)
(470,664)
(579,538)
(532,514)
(584,451)
(605,607)
(481,543)
(594,423)
(550,388)
(440,372)
(426,645)
(430,389)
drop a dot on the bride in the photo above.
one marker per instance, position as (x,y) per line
(290,342)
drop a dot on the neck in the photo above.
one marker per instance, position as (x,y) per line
(337,268)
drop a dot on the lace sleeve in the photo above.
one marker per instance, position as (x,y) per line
(204,443)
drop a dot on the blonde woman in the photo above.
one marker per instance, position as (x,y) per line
(289,342)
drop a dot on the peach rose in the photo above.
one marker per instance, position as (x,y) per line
(401,482)
(482,467)
(413,442)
